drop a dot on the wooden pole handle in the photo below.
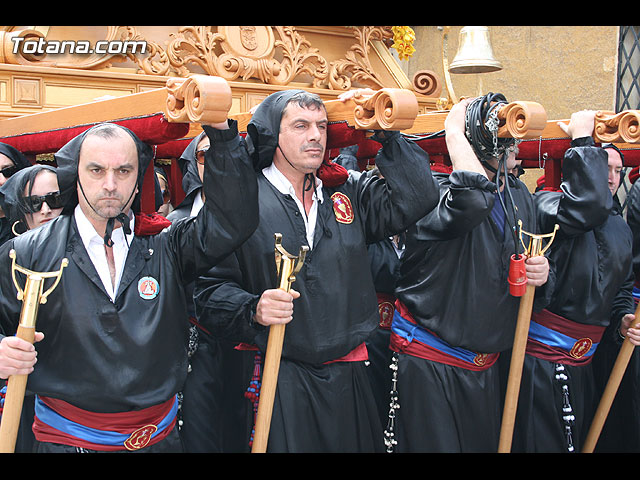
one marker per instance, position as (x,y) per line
(609,394)
(271,368)
(268,387)
(16,387)
(515,370)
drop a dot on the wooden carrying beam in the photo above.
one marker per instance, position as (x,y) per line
(158,117)
(195,99)
(397,109)
(384,109)
(521,119)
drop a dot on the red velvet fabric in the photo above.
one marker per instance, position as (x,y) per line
(153,129)
(169,140)
(150,224)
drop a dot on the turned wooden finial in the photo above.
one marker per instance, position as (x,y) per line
(198,98)
(386,109)
(522,120)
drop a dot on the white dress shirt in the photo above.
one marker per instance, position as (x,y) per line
(94,245)
(278,180)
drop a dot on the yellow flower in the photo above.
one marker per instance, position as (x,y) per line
(403,38)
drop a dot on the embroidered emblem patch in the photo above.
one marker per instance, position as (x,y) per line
(342,207)
(140,438)
(581,347)
(481,359)
(386,310)
(148,288)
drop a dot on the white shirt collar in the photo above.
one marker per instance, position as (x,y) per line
(94,244)
(197,204)
(88,233)
(284,186)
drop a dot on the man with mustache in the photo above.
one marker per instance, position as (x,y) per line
(112,340)
(324,402)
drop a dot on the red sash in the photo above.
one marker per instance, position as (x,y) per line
(138,427)
(573,341)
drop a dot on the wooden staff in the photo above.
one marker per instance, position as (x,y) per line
(609,394)
(519,346)
(32,296)
(287,267)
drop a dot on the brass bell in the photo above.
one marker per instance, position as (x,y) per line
(475,54)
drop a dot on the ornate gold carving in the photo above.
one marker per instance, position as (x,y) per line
(198,98)
(247,52)
(386,109)
(612,127)
(357,66)
(277,55)
(89,61)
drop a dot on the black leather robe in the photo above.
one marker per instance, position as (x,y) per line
(453,276)
(591,257)
(129,354)
(337,309)
(320,407)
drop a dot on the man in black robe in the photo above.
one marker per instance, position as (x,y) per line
(112,341)
(591,258)
(212,413)
(454,313)
(621,430)
(324,400)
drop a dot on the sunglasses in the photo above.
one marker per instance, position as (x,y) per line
(34,202)
(200,155)
(166,195)
(8,171)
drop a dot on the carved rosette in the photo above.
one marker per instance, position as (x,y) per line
(426,82)
(6,47)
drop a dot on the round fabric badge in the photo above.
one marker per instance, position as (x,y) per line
(148,288)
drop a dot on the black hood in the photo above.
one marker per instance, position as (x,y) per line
(263,129)
(67,160)
(12,191)
(187,162)
(18,159)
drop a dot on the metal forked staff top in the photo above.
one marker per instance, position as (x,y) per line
(39,276)
(535,243)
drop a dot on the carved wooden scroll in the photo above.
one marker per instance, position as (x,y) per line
(386,109)
(198,98)
(612,127)
(522,120)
